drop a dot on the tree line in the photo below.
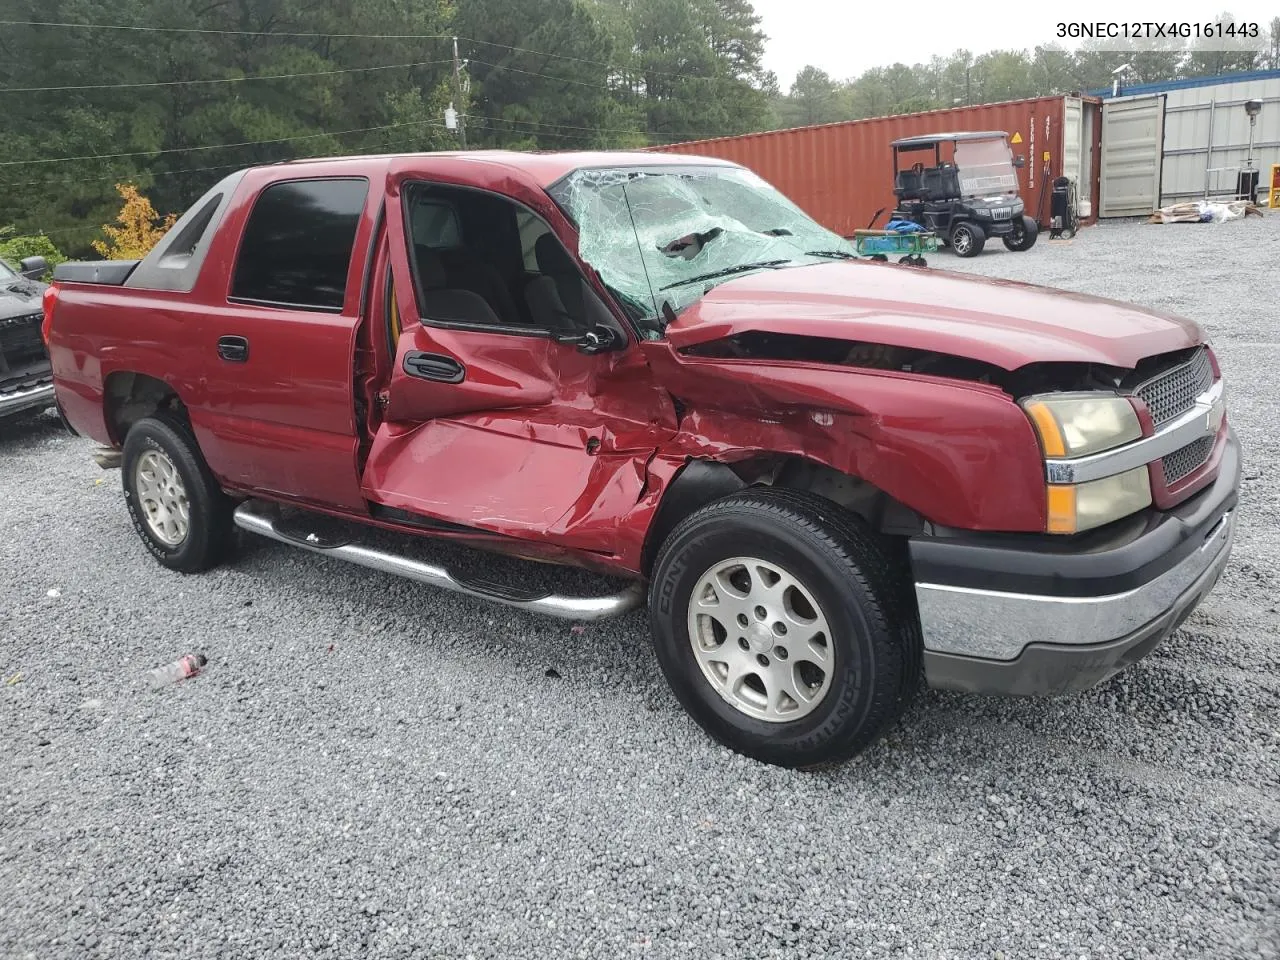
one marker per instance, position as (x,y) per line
(962,78)
(169,95)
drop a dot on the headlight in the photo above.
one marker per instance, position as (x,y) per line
(1083,506)
(983,212)
(1076,425)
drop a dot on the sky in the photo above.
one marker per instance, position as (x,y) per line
(846,37)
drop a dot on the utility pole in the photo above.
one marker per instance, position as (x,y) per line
(457,87)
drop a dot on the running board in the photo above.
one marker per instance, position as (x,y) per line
(256,517)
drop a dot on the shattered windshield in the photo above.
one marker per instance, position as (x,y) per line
(986,168)
(668,234)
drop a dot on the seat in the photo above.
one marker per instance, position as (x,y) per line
(459,269)
(942,183)
(441,301)
(556,298)
(908,186)
(467,270)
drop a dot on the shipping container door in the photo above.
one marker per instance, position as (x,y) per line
(1073,141)
(1132,148)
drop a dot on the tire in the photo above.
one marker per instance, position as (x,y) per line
(853,582)
(1023,237)
(967,239)
(164,474)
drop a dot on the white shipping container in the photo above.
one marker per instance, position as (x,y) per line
(1206,138)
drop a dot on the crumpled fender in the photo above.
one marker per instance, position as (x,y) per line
(961,454)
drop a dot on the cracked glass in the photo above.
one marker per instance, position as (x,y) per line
(666,235)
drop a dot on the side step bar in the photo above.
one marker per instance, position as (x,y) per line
(257,518)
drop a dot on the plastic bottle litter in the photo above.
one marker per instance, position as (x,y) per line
(180,669)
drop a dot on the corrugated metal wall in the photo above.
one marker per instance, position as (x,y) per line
(842,173)
(1212,118)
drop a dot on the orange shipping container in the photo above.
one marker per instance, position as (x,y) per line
(841,174)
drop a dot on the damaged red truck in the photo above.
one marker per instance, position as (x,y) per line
(824,476)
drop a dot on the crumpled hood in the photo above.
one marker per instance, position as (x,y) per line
(1000,322)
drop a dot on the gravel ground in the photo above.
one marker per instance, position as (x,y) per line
(369,768)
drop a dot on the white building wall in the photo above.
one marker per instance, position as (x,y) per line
(1193,114)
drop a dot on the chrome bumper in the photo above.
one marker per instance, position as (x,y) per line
(39,396)
(999,626)
(1004,614)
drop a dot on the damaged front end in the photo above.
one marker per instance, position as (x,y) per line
(774,341)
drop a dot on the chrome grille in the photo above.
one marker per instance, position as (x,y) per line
(1174,392)
(1186,460)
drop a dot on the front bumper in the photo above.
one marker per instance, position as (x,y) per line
(26,398)
(996,228)
(1035,616)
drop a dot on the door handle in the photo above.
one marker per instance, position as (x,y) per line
(233,349)
(433,366)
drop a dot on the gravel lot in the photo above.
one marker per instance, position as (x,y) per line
(369,768)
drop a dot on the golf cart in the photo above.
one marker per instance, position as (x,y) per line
(964,188)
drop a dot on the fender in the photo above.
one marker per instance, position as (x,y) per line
(940,446)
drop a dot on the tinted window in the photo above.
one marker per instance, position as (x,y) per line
(297,245)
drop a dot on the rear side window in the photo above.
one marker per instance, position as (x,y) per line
(296,249)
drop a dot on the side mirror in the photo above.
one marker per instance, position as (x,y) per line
(596,340)
(33,268)
(1019,161)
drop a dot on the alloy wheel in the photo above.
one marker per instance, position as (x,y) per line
(761,639)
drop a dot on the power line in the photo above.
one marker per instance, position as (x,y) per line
(598,63)
(218,146)
(174,83)
(482,121)
(569,126)
(227,33)
(353,36)
(67,231)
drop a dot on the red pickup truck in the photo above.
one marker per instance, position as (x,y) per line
(825,476)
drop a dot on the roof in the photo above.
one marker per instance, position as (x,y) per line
(929,139)
(1161,86)
(546,168)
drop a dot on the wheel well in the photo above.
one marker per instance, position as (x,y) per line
(701,481)
(128,397)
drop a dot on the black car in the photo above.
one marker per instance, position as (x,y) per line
(968,193)
(26,379)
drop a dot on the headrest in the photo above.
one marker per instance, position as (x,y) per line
(551,256)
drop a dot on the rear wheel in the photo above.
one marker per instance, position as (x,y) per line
(967,239)
(785,627)
(1023,236)
(176,505)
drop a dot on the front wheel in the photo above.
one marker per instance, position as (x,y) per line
(1023,236)
(968,239)
(785,627)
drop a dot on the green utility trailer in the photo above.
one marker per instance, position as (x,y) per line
(908,247)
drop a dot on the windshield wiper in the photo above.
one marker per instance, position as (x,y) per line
(835,254)
(740,268)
